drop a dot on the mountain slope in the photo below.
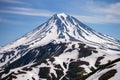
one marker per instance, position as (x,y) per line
(62,48)
(64,28)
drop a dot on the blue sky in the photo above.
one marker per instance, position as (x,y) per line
(17,17)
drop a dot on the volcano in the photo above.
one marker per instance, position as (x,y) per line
(63,48)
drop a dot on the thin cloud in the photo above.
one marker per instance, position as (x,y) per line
(4,20)
(98,19)
(28,11)
(104,8)
(113,9)
(45,13)
(13,1)
(101,12)
(110,13)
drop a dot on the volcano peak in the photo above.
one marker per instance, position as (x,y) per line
(62,14)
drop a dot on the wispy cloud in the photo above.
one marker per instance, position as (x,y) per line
(98,19)
(101,12)
(108,13)
(113,9)
(104,8)
(13,1)
(5,20)
(28,11)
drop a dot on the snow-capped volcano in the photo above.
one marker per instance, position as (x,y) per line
(63,48)
(61,28)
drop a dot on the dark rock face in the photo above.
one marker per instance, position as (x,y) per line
(44,72)
(108,74)
(86,51)
(98,61)
(75,71)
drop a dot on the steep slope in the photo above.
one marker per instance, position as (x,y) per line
(62,48)
(61,28)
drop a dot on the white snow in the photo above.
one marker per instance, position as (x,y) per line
(62,14)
